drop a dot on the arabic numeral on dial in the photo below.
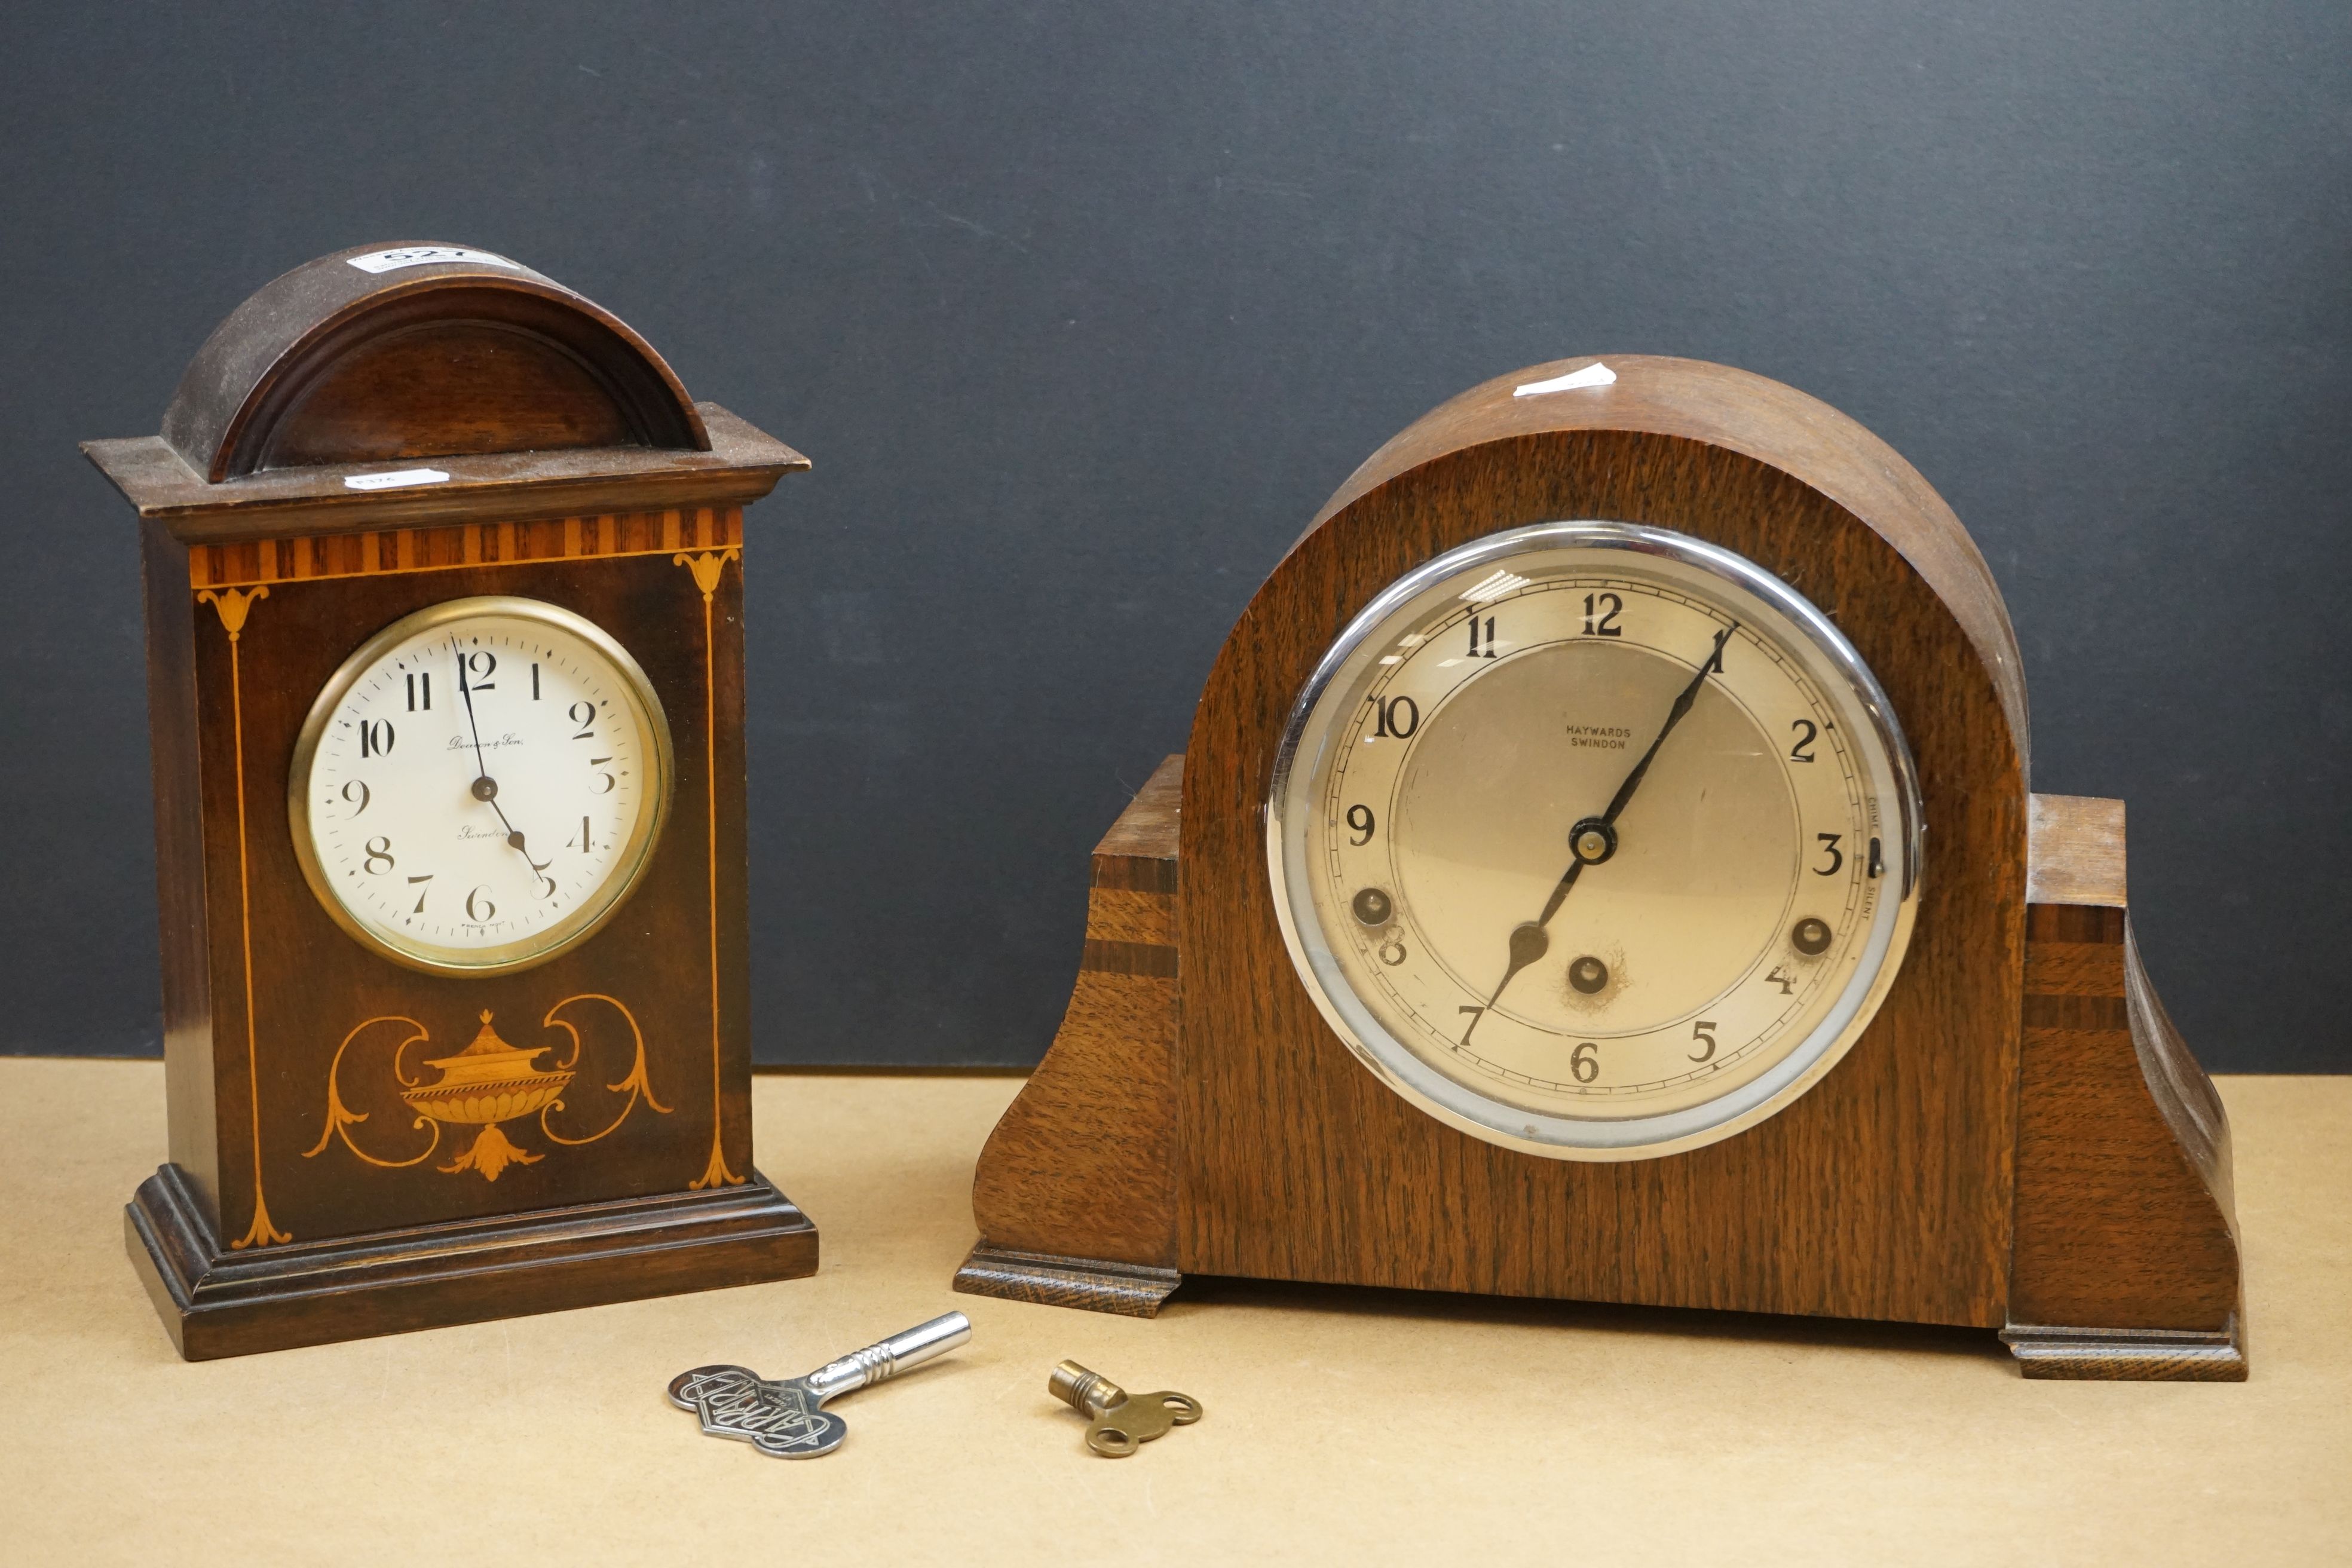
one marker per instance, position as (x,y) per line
(1360,820)
(1829,843)
(1393,952)
(420,691)
(1703,1032)
(1802,752)
(378,848)
(583,844)
(1585,1062)
(1477,650)
(1394,718)
(479,667)
(1600,611)
(479,907)
(1782,978)
(584,715)
(358,802)
(421,884)
(376,737)
(605,783)
(534,680)
(1715,659)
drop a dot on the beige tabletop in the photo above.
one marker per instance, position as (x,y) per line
(1340,1426)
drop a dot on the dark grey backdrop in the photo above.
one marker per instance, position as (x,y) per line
(1083,308)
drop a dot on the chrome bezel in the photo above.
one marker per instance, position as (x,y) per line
(1459,1102)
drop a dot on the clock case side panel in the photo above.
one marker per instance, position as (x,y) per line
(1075,1192)
(174,725)
(1884,1193)
(2126,1262)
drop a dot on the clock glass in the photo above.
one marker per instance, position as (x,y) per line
(480,785)
(1594,840)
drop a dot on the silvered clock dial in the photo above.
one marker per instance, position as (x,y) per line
(480,785)
(1594,840)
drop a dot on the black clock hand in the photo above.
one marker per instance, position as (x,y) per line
(1594,839)
(485,788)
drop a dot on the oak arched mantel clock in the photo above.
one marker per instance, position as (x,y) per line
(1604,866)
(444,607)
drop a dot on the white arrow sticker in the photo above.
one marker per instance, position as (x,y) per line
(394,480)
(1594,374)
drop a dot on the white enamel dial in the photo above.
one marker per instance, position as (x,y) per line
(1595,840)
(479,785)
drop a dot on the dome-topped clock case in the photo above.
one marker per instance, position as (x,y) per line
(443,603)
(1603,867)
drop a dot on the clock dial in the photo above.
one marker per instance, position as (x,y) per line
(1595,840)
(479,785)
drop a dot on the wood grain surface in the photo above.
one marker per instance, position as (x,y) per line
(1884,1193)
(332,363)
(2019,1140)
(313,984)
(2126,1252)
(742,465)
(215,1302)
(1737,411)
(310,1195)
(1075,1192)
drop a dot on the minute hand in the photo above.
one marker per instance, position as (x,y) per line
(1712,664)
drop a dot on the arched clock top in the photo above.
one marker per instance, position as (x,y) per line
(1737,411)
(380,353)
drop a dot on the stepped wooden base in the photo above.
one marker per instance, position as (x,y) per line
(217,1302)
(1091,1284)
(2123,1262)
(2130,1355)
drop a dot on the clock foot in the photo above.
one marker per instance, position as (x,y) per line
(1090,1284)
(2130,1355)
(218,1301)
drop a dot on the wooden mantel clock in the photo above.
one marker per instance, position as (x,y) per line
(445,676)
(1603,867)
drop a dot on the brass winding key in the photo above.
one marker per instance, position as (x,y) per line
(1117,1424)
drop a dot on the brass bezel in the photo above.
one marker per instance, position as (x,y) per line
(645,834)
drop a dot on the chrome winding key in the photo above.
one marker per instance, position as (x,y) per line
(786,1419)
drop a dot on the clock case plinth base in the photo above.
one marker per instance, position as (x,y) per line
(216,1302)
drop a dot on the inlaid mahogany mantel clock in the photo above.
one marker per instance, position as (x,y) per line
(445,676)
(1603,867)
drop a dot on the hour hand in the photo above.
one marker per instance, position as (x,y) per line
(1528,944)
